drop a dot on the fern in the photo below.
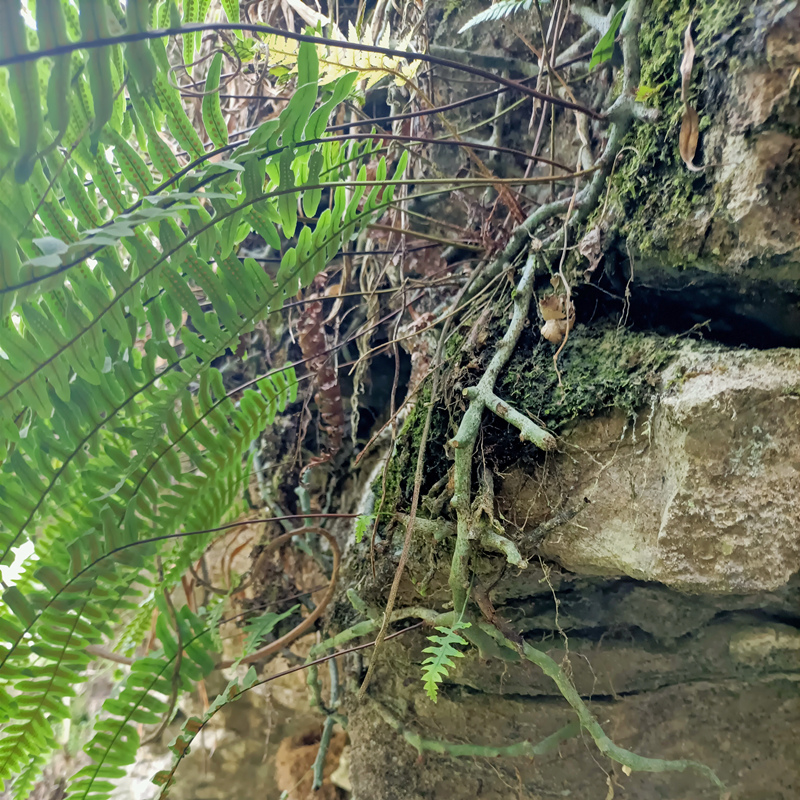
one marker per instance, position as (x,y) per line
(137,628)
(259,627)
(116,738)
(443,650)
(28,776)
(337,62)
(362,524)
(181,744)
(120,284)
(501,10)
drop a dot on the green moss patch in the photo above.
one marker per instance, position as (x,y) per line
(403,464)
(600,370)
(655,190)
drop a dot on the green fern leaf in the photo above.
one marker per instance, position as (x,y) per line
(436,665)
(362,525)
(262,626)
(212,113)
(231,8)
(116,740)
(191,11)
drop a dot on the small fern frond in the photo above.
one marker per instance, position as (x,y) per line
(259,627)
(136,628)
(501,10)
(181,744)
(63,624)
(27,777)
(436,665)
(362,525)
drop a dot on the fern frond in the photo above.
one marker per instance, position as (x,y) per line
(28,776)
(362,525)
(336,62)
(137,628)
(443,650)
(47,672)
(116,295)
(256,629)
(181,744)
(501,10)
(140,701)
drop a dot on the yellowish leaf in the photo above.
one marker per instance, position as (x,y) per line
(336,61)
(552,307)
(690,132)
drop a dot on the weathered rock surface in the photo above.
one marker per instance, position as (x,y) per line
(700,494)
(746,731)
(712,678)
(670,598)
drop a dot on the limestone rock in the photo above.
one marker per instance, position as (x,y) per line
(701,494)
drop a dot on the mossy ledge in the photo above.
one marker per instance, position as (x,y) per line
(601,368)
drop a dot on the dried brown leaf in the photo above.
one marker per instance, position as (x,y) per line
(690,124)
(591,248)
(687,63)
(552,307)
(427,262)
(690,131)
(314,345)
(557,321)
(554,330)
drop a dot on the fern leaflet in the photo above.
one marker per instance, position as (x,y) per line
(443,650)
(501,10)
(362,524)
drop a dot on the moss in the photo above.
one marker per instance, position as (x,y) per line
(403,464)
(651,184)
(600,370)
(454,346)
